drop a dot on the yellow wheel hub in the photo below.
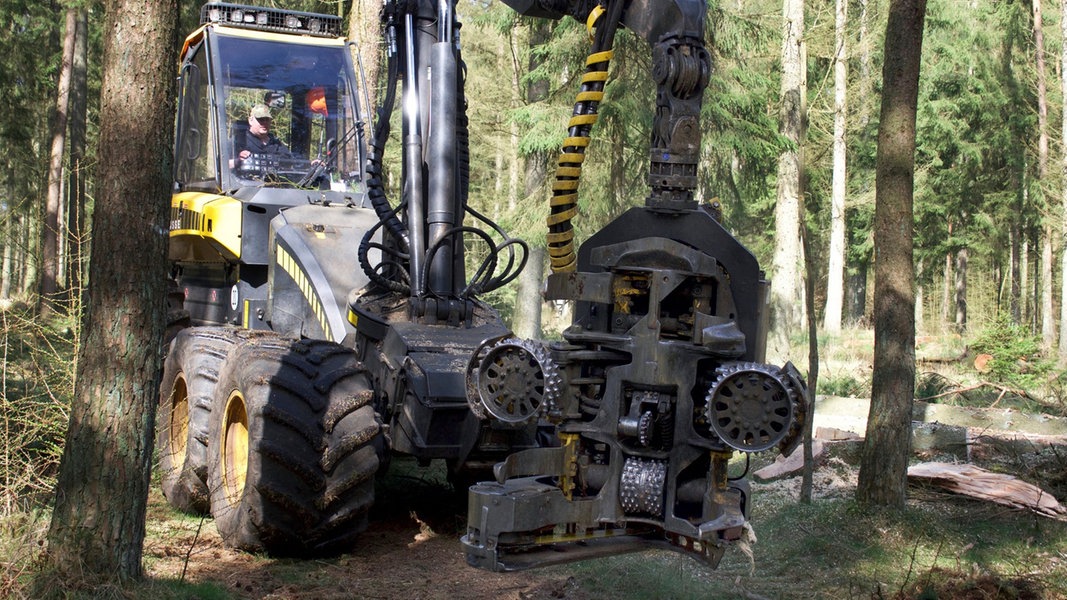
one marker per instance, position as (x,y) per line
(234,447)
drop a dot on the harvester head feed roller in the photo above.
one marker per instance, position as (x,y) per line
(516,381)
(750,406)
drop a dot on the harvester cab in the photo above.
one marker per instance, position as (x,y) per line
(298,67)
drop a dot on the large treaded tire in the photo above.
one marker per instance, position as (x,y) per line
(296,447)
(190,373)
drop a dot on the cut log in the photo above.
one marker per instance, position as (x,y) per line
(981,363)
(833,434)
(977,482)
(784,466)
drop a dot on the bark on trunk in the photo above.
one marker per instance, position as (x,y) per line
(787,287)
(1024,280)
(884,462)
(1048,322)
(835,271)
(1063,188)
(1016,273)
(857,293)
(527,319)
(364,26)
(526,323)
(962,257)
(77,176)
(5,268)
(50,231)
(30,225)
(97,526)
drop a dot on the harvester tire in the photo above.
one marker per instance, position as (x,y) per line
(296,445)
(186,393)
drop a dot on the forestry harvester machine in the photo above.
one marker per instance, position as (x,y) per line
(324,328)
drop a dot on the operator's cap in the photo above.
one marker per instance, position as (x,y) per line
(260,111)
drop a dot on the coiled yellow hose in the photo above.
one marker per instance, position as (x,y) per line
(564,202)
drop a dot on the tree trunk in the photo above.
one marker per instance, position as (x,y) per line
(5,267)
(514,178)
(884,462)
(526,322)
(962,257)
(365,27)
(865,64)
(11,243)
(857,293)
(835,273)
(513,167)
(857,280)
(98,526)
(1048,323)
(79,92)
(537,91)
(807,479)
(529,289)
(1048,317)
(61,237)
(1063,188)
(1015,302)
(787,286)
(30,225)
(946,284)
(920,299)
(48,285)
(1024,279)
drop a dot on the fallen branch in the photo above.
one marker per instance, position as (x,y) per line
(1003,390)
(977,482)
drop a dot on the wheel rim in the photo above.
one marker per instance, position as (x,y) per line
(179,422)
(234,447)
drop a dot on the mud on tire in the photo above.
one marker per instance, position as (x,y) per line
(297,447)
(190,373)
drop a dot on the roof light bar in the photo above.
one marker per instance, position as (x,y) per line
(271,19)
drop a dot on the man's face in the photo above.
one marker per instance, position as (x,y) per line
(259,126)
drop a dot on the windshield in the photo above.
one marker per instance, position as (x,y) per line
(287,108)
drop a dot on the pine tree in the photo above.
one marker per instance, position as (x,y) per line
(787,291)
(883,465)
(98,523)
(835,271)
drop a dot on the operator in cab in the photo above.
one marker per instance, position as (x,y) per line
(258,139)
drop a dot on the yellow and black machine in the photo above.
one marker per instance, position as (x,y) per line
(325,327)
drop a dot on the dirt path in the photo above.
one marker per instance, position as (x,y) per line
(411,552)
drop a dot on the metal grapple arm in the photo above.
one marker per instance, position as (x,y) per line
(681,67)
(660,379)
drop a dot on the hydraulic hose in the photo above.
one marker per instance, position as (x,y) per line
(387,215)
(564,202)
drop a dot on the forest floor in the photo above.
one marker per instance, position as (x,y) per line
(411,551)
(941,546)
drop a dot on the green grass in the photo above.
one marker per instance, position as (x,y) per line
(157,589)
(837,549)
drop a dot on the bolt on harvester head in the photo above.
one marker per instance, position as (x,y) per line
(660,378)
